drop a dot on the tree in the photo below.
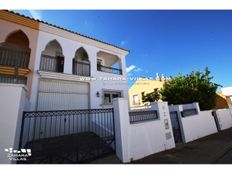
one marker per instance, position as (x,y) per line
(152,97)
(193,87)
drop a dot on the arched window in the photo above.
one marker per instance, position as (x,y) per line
(52,58)
(81,64)
(14,58)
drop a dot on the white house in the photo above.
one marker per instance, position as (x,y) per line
(227,91)
(62,69)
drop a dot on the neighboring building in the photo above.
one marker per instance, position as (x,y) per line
(221,102)
(56,65)
(228,93)
(141,87)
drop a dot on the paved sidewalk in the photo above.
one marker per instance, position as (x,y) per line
(207,150)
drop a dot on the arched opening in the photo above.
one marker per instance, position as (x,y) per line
(14,58)
(109,63)
(52,58)
(81,64)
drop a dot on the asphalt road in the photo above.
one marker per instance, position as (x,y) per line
(226,158)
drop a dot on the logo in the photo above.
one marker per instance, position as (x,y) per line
(18,155)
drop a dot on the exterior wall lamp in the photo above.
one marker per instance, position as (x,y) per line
(98,94)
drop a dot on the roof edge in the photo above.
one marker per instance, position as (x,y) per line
(68,30)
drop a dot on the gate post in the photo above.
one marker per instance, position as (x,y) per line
(122,123)
(164,114)
(12,98)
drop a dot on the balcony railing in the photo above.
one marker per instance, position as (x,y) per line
(14,58)
(81,68)
(13,79)
(140,116)
(108,69)
(52,63)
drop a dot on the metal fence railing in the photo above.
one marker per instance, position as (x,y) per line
(68,136)
(189,112)
(38,125)
(81,68)
(13,79)
(140,116)
(109,69)
(14,58)
(52,63)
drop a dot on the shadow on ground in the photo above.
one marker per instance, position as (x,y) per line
(216,148)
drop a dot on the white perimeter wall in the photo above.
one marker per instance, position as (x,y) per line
(11,108)
(135,141)
(198,126)
(224,118)
(195,126)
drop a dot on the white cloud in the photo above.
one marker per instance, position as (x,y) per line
(123,42)
(130,68)
(36,14)
(133,69)
(138,69)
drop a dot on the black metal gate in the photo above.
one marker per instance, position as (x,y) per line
(176,127)
(68,136)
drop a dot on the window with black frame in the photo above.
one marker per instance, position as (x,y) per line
(108,96)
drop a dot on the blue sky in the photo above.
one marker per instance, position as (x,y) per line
(168,42)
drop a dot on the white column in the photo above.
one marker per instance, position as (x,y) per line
(121,117)
(123,64)
(163,112)
(12,98)
(68,62)
(196,105)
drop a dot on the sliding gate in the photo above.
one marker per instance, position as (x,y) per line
(68,136)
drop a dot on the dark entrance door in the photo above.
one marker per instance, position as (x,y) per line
(176,127)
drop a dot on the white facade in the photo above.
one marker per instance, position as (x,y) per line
(136,141)
(69,48)
(69,42)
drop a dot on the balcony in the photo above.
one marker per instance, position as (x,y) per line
(108,69)
(52,63)
(14,58)
(109,63)
(14,65)
(81,68)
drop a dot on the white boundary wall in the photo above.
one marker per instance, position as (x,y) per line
(135,141)
(224,118)
(195,126)
(198,126)
(12,99)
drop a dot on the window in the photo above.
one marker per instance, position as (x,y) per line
(109,96)
(135,99)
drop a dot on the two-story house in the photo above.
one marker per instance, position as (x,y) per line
(62,69)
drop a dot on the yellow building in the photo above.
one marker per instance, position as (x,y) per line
(221,101)
(141,87)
